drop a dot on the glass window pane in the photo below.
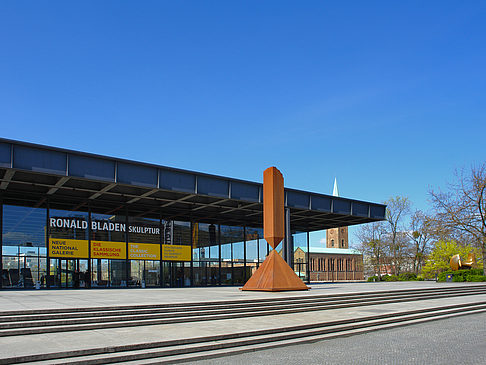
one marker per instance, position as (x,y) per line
(252,240)
(181,233)
(205,242)
(232,236)
(235,236)
(106,227)
(143,230)
(300,254)
(68,224)
(226,252)
(264,248)
(24,226)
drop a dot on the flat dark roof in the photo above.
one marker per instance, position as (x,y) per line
(33,174)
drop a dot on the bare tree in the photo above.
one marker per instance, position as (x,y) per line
(421,233)
(396,210)
(403,261)
(463,207)
(373,245)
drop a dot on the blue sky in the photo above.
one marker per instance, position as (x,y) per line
(388,97)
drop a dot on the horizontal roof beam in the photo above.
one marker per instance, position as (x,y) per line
(60,183)
(6,179)
(102,191)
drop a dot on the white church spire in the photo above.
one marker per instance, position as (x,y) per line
(335,191)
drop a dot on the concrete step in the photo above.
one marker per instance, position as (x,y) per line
(192,357)
(230,303)
(203,308)
(206,308)
(63,325)
(211,346)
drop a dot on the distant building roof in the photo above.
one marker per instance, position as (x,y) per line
(335,190)
(334,251)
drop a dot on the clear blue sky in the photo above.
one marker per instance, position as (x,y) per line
(389,97)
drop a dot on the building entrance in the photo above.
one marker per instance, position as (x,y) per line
(68,273)
(144,273)
(107,273)
(175,274)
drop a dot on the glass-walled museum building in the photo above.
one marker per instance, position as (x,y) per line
(76,220)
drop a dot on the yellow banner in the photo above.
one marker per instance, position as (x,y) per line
(108,250)
(143,251)
(176,253)
(66,248)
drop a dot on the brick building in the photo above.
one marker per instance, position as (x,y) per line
(335,262)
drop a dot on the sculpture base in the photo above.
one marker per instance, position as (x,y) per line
(274,275)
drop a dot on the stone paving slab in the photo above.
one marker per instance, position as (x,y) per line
(79,298)
(65,341)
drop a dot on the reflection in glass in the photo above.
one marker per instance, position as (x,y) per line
(24,226)
(300,254)
(204,242)
(222,255)
(68,224)
(23,246)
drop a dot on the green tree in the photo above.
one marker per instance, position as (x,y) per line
(463,207)
(441,254)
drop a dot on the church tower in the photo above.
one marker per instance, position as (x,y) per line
(337,237)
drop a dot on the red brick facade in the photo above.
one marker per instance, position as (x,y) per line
(337,238)
(336,267)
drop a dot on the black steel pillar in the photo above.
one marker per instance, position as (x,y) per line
(307,265)
(1,244)
(48,233)
(288,246)
(90,266)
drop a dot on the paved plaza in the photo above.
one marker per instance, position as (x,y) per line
(79,340)
(458,340)
(76,298)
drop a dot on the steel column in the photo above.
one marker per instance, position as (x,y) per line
(288,249)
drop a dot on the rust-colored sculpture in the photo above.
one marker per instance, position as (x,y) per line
(273,206)
(457,264)
(274,274)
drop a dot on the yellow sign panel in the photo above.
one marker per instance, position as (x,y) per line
(143,251)
(176,253)
(108,250)
(66,248)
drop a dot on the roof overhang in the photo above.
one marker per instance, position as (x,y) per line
(32,174)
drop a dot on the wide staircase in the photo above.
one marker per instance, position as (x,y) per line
(349,316)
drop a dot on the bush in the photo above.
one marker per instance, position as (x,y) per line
(458,278)
(390,278)
(442,275)
(463,275)
(476,278)
(407,276)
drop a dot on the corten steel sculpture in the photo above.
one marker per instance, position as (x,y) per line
(457,264)
(274,274)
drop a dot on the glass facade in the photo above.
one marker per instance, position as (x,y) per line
(23,246)
(51,248)
(301,242)
(65,271)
